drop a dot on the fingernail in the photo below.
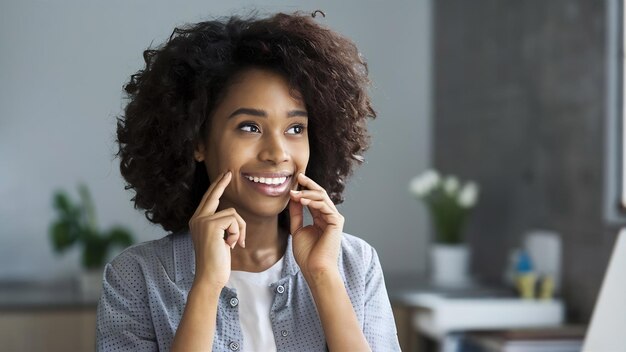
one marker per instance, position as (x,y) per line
(232,246)
(243,244)
(228,173)
(293,191)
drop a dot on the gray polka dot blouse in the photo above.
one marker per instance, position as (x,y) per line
(145,290)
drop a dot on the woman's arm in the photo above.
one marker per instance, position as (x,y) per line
(197,326)
(337,314)
(316,250)
(212,254)
(341,326)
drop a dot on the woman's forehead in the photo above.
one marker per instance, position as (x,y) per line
(261,86)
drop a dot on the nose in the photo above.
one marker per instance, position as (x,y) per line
(274,149)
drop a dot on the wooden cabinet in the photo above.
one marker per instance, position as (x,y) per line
(48,330)
(406,333)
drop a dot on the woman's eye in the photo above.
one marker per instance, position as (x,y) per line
(297,129)
(249,127)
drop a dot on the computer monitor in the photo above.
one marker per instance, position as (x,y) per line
(607,330)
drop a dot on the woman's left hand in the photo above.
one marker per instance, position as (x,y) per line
(316,246)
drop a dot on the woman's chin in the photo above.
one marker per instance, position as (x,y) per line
(266,210)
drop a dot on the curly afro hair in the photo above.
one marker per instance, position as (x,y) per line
(170,103)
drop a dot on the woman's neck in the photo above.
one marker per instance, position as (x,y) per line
(265,245)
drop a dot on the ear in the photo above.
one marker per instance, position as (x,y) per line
(198,153)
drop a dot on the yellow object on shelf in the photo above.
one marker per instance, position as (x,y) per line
(526,284)
(525,277)
(546,288)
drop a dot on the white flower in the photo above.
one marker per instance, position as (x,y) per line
(423,184)
(468,195)
(431,179)
(417,187)
(451,185)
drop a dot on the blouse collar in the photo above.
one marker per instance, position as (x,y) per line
(185,260)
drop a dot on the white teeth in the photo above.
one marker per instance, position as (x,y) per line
(268,180)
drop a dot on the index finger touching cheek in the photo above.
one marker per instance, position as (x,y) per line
(207,194)
(213,199)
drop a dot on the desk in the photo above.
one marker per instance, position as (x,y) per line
(441,315)
(46,317)
(426,314)
(402,289)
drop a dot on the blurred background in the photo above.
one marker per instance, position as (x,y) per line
(514,95)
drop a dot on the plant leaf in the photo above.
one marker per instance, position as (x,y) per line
(88,207)
(94,252)
(120,236)
(61,202)
(62,235)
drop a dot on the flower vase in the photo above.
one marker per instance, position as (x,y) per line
(449,265)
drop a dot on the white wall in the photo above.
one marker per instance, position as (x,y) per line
(62,67)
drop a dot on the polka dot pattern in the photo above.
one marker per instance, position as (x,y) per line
(145,291)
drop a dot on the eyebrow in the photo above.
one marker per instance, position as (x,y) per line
(262,113)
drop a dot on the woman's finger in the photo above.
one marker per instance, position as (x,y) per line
(314,195)
(207,194)
(231,212)
(240,221)
(232,233)
(213,200)
(229,227)
(307,182)
(322,207)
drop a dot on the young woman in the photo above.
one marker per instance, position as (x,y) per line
(232,128)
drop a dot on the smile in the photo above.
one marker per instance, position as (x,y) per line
(272,181)
(270,184)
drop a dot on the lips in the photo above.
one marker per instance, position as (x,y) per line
(270,184)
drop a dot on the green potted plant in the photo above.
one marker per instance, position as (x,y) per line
(449,203)
(76,225)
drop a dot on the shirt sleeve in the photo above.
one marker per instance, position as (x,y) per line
(123,319)
(379,326)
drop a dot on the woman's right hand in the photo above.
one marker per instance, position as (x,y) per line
(214,234)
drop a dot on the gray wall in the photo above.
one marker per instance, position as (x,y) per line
(62,66)
(520,106)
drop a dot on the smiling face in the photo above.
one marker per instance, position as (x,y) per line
(259,133)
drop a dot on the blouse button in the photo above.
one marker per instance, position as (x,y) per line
(284,333)
(280,289)
(234,302)
(233,346)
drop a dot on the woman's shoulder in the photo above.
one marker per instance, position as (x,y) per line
(355,249)
(145,257)
(354,243)
(144,250)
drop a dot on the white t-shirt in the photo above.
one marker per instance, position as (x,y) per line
(255,301)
